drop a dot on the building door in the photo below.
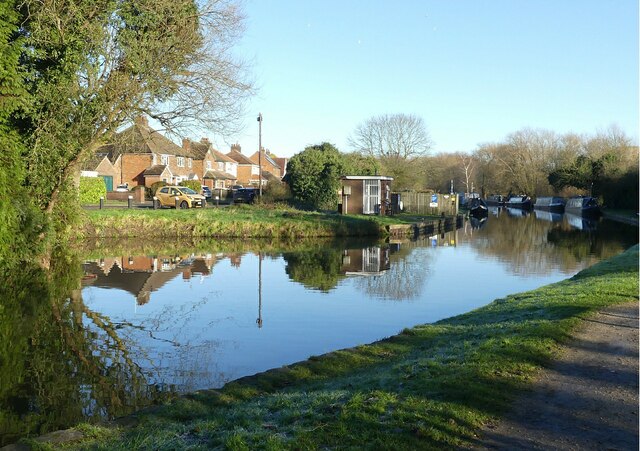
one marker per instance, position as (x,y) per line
(108,181)
(370,196)
(371,259)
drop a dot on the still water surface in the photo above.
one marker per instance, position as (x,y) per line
(152,324)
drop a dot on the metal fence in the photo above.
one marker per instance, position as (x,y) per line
(428,203)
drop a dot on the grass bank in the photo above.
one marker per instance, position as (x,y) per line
(235,221)
(431,386)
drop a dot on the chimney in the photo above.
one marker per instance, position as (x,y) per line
(204,140)
(186,143)
(141,120)
(236,147)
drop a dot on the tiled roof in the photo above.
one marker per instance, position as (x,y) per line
(141,139)
(218,175)
(156,169)
(92,163)
(240,158)
(269,177)
(222,157)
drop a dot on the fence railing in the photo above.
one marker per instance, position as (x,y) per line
(428,203)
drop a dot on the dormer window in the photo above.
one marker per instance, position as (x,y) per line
(180,162)
(164,159)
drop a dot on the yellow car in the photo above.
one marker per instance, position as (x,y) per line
(187,198)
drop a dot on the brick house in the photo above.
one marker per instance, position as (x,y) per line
(248,171)
(268,163)
(140,155)
(215,169)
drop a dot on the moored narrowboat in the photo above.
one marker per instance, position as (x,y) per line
(583,206)
(495,200)
(477,208)
(552,204)
(523,202)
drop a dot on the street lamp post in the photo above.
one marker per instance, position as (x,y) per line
(260,151)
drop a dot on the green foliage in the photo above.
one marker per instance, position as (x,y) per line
(156,186)
(318,269)
(313,176)
(193,184)
(356,163)
(92,189)
(275,192)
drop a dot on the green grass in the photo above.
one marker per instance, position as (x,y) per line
(430,387)
(236,221)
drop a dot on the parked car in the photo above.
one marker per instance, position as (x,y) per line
(187,198)
(206,191)
(124,188)
(247,195)
(235,187)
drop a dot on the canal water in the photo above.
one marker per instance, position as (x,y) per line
(143,322)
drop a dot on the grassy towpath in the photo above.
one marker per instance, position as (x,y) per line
(430,387)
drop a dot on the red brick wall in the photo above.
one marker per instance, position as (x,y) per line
(132,168)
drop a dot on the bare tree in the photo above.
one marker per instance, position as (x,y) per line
(392,136)
(467,167)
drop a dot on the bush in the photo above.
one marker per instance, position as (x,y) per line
(92,189)
(275,192)
(193,184)
(155,187)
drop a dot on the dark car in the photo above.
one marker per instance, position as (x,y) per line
(247,195)
(206,191)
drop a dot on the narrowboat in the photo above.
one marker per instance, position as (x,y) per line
(523,202)
(552,204)
(580,222)
(495,200)
(477,208)
(583,206)
(517,212)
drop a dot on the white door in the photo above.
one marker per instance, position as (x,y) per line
(371,259)
(371,196)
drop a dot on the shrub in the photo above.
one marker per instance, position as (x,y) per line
(92,189)
(275,192)
(193,184)
(155,187)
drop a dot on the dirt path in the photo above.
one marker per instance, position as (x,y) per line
(588,399)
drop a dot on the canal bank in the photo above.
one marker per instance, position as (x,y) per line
(254,222)
(430,386)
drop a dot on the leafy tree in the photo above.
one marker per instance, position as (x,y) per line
(314,174)
(356,163)
(91,65)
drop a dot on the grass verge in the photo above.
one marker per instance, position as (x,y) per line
(431,386)
(235,221)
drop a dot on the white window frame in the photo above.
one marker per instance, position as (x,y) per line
(180,162)
(189,162)
(255,170)
(219,184)
(208,164)
(370,196)
(164,159)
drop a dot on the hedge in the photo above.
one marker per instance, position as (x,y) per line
(92,189)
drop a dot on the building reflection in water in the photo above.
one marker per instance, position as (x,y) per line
(140,275)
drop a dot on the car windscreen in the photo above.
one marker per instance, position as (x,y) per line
(188,191)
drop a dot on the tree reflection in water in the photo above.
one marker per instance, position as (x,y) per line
(61,363)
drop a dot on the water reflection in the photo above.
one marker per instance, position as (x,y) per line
(129,324)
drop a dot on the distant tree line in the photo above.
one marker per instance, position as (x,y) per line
(534,162)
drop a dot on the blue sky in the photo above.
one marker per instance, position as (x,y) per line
(474,70)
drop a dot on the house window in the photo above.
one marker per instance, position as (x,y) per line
(255,170)
(164,159)
(208,165)
(180,162)
(154,159)
(219,183)
(189,162)
(220,166)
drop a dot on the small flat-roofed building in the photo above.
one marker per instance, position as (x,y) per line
(365,194)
